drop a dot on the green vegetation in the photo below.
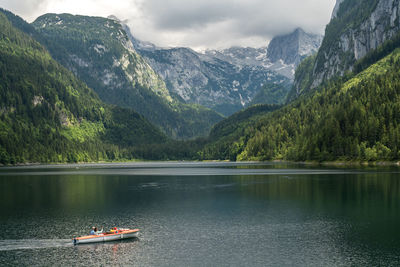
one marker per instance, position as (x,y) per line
(99,52)
(228,136)
(272,94)
(302,77)
(350,15)
(47,115)
(374,55)
(348,119)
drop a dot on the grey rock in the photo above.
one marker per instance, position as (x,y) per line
(293,48)
(381,25)
(224,80)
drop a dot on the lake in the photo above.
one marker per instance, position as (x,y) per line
(201,214)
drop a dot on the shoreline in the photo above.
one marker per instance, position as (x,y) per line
(306,163)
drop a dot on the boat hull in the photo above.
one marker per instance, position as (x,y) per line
(105,237)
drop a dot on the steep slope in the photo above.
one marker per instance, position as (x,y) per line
(253,57)
(275,94)
(294,47)
(208,80)
(356,28)
(100,53)
(48,115)
(357,119)
(226,136)
(230,79)
(283,54)
(225,80)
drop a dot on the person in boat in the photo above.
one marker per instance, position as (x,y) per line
(94,231)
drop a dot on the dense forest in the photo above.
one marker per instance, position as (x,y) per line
(98,51)
(48,115)
(356,117)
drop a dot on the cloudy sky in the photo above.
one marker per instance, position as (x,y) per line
(199,24)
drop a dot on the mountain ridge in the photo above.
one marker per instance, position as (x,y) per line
(48,115)
(356,28)
(353,117)
(100,53)
(224,80)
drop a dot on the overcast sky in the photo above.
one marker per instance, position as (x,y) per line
(199,24)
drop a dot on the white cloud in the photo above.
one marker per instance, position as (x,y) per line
(194,23)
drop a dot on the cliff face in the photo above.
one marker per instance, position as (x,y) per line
(100,52)
(355,39)
(99,48)
(228,80)
(356,28)
(294,47)
(225,81)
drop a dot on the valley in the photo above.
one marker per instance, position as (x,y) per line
(85,89)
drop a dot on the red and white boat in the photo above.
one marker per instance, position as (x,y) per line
(114,234)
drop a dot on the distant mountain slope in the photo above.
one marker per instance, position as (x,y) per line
(222,142)
(357,119)
(283,54)
(100,53)
(230,79)
(48,115)
(293,48)
(207,80)
(356,28)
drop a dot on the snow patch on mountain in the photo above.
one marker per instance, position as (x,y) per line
(224,80)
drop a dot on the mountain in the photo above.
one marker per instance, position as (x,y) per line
(350,117)
(224,80)
(283,54)
(99,52)
(357,27)
(48,115)
(355,119)
(292,48)
(226,137)
(249,56)
(207,80)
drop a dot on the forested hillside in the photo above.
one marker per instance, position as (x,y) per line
(356,117)
(48,115)
(98,51)
(357,28)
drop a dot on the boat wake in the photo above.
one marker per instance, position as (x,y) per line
(19,244)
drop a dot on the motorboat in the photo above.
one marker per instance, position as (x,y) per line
(112,235)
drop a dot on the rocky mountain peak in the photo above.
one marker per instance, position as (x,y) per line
(299,31)
(113,17)
(292,48)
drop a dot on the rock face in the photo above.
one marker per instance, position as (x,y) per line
(224,80)
(99,52)
(91,43)
(355,42)
(294,47)
(356,28)
(213,79)
(336,8)
(48,115)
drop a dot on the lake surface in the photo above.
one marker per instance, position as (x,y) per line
(201,214)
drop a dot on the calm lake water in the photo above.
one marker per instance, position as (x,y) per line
(201,214)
